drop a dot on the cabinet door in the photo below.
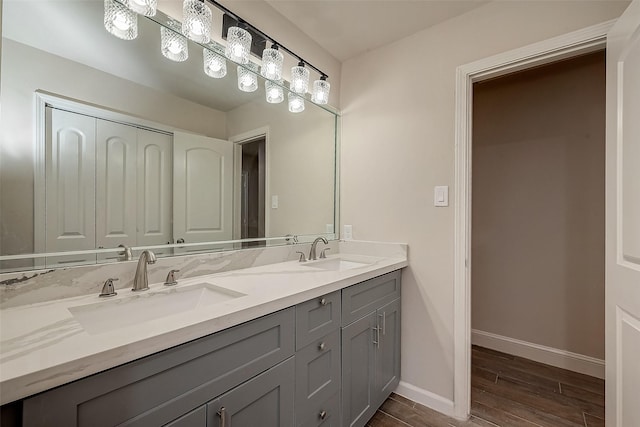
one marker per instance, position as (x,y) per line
(265,401)
(358,361)
(195,418)
(387,375)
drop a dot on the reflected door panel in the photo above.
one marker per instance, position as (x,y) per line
(70,181)
(115,185)
(154,189)
(203,174)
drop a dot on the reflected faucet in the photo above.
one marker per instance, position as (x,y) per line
(312,253)
(141,280)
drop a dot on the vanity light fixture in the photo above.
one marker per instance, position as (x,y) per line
(174,46)
(238,45)
(296,103)
(215,65)
(196,20)
(274,91)
(321,88)
(299,79)
(272,60)
(120,21)
(247,80)
(143,7)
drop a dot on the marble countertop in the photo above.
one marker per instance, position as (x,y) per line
(43,346)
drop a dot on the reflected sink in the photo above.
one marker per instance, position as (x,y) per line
(335,264)
(108,315)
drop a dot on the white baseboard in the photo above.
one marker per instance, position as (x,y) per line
(426,398)
(540,353)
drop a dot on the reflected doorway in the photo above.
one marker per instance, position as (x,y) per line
(252,195)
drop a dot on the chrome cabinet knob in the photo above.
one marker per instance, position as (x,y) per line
(321,346)
(323,301)
(322,415)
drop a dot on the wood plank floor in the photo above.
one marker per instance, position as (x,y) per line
(509,391)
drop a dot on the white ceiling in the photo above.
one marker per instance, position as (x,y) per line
(348,28)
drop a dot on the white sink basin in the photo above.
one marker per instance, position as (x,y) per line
(335,264)
(146,306)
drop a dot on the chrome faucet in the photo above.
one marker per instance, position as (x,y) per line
(141,280)
(312,253)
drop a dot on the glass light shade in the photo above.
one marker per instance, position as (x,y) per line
(174,46)
(143,7)
(299,79)
(274,93)
(120,21)
(320,94)
(272,60)
(214,64)
(196,21)
(296,103)
(247,80)
(238,45)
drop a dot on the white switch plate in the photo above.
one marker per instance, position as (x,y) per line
(348,232)
(441,195)
(274,202)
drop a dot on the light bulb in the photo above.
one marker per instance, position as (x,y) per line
(121,22)
(296,103)
(196,22)
(238,45)
(143,7)
(274,92)
(247,80)
(214,64)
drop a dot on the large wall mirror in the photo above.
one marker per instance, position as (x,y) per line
(105,142)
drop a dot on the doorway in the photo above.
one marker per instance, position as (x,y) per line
(252,196)
(565,46)
(538,250)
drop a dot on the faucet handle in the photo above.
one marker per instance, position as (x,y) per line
(108,290)
(171,278)
(323,253)
(302,257)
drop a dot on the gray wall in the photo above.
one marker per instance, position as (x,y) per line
(538,206)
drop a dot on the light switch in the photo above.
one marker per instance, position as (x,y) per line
(274,202)
(441,195)
(348,232)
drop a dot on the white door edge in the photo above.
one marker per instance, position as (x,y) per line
(565,46)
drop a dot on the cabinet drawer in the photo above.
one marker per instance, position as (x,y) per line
(317,374)
(316,318)
(364,298)
(324,414)
(157,389)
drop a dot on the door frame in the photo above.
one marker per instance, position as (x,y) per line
(565,46)
(238,140)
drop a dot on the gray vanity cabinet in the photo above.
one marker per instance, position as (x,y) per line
(370,346)
(327,362)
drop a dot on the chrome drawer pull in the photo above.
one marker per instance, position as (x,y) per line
(322,415)
(321,346)
(384,322)
(223,417)
(323,301)
(376,339)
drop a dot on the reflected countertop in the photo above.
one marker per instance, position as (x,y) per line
(43,346)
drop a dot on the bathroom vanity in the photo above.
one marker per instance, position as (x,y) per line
(326,352)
